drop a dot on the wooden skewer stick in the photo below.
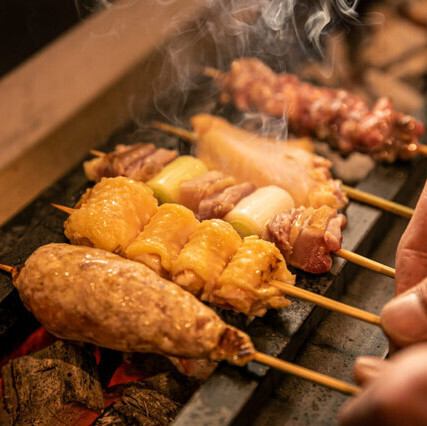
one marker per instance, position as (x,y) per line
(62,208)
(307,374)
(9,269)
(325,302)
(299,293)
(281,365)
(366,263)
(213,73)
(373,200)
(97,153)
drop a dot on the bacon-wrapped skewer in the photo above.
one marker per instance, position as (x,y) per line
(250,213)
(212,252)
(337,116)
(90,295)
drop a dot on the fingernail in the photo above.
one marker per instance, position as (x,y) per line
(404,319)
(367,368)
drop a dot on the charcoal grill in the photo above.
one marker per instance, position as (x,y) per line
(57,117)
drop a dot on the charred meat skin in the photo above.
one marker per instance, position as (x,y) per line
(308,237)
(338,116)
(89,295)
(139,162)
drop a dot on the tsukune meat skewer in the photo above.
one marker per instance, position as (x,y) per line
(207,258)
(90,295)
(306,237)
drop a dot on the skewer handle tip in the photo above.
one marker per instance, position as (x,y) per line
(307,374)
(64,209)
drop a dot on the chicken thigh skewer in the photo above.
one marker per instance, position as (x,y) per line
(89,295)
(335,115)
(315,260)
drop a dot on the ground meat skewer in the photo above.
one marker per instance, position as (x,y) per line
(90,295)
(337,116)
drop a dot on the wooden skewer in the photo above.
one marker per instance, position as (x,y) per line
(373,200)
(97,153)
(366,263)
(307,374)
(213,73)
(62,208)
(325,302)
(9,269)
(281,365)
(299,293)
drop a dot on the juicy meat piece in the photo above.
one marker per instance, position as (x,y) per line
(245,285)
(111,214)
(193,191)
(219,204)
(154,163)
(251,158)
(138,162)
(307,237)
(338,116)
(205,255)
(89,295)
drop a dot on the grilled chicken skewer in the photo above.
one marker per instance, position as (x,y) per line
(306,244)
(90,295)
(219,129)
(337,116)
(208,259)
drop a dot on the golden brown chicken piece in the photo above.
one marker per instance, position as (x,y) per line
(245,285)
(111,214)
(205,255)
(90,295)
(159,244)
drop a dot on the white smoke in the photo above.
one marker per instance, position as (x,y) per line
(280,32)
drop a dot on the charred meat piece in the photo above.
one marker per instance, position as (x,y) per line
(89,295)
(307,237)
(138,162)
(219,204)
(195,190)
(337,116)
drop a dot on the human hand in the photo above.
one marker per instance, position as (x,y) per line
(395,391)
(411,255)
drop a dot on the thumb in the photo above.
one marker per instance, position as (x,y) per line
(404,319)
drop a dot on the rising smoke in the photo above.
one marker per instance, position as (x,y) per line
(283,33)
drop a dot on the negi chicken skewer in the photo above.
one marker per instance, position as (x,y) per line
(334,115)
(210,131)
(90,295)
(306,244)
(207,258)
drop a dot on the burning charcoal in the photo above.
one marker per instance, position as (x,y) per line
(139,406)
(58,382)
